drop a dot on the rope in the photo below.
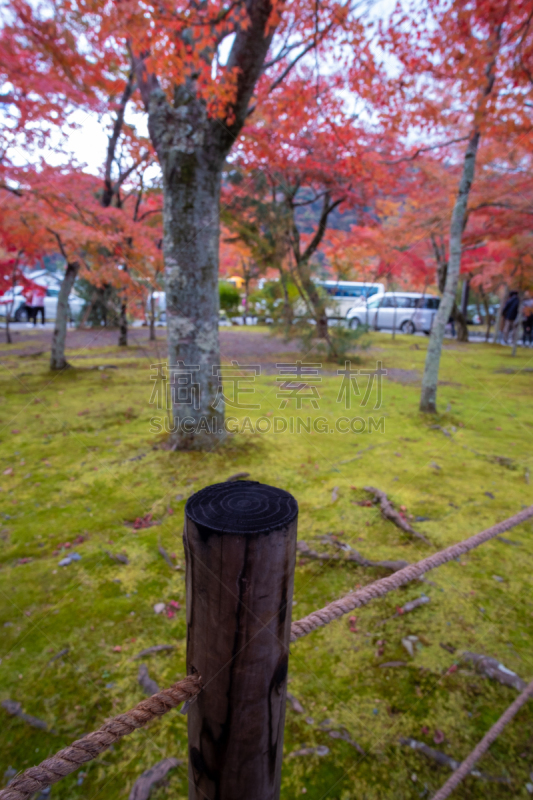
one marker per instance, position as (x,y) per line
(69,759)
(48,772)
(362,597)
(481,748)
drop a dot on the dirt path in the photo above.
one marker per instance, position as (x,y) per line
(235,344)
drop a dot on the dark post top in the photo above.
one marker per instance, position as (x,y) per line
(241,507)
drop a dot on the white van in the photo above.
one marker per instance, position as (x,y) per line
(407,312)
(349,294)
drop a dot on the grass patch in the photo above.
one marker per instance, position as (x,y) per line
(78,462)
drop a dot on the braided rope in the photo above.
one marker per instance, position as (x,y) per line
(69,759)
(482,747)
(362,597)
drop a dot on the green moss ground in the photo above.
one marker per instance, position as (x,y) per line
(83,463)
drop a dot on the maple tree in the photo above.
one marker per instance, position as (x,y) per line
(290,173)
(196,109)
(465,73)
(61,211)
(69,77)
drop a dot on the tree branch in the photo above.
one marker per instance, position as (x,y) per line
(124,175)
(426,149)
(327,208)
(6,188)
(146,81)
(246,58)
(109,189)
(290,66)
(59,244)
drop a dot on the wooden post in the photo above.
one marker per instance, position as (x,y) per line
(240,546)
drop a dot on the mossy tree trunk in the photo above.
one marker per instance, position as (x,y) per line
(57,355)
(428,398)
(192,147)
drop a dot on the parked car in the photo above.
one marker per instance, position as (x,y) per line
(19,311)
(407,312)
(7,304)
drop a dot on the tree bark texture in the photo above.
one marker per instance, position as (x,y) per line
(240,545)
(57,356)
(428,398)
(190,246)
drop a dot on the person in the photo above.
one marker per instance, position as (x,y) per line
(37,304)
(28,307)
(527,324)
(509,314)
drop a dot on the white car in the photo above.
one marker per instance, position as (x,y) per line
(407,312)
(19,310)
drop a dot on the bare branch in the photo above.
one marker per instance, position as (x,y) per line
(7,188)
(124,175)
(109,189)
(59,244)
(426,149)
(290,66)
(327,208)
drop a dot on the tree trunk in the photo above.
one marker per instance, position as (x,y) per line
(246,294)
(498,324)
(462,325)
(486,307)
(461,315)
(465,294)
(192,147)
(11,306)
(152,317)
(87,311)
(288,314)
(428,398)
(190,246)
(123,326)
(518,320)
(57,357)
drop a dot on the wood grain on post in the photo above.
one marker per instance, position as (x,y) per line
(240,545)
